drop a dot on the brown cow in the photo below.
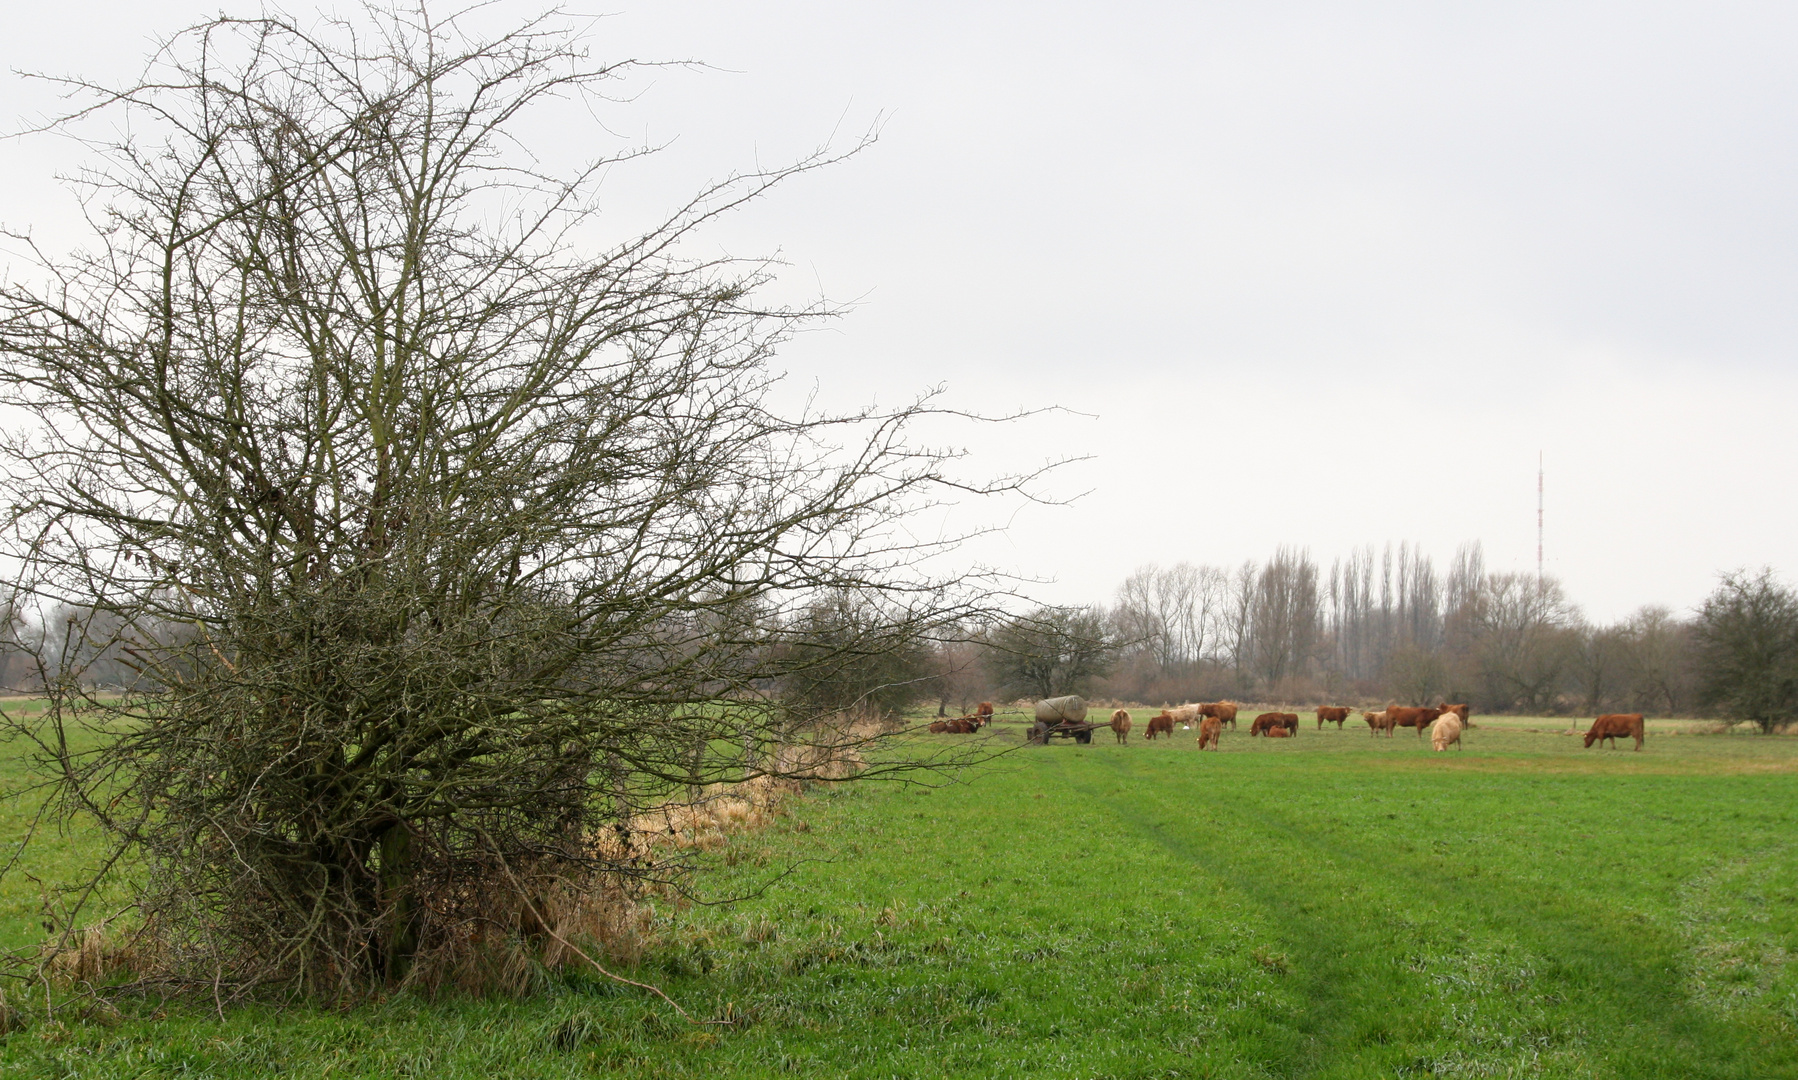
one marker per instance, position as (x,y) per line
(937,727)
(1225,711)
(1614,726)
(985,711)
(1461,711)
(1160,724)
(1266,722)
(1120,725)
(1278,732)
(1331,712)
(1405,716)
(1211,730)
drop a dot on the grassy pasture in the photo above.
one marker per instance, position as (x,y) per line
(1331,905)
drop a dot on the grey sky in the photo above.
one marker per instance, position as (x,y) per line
(1327,274)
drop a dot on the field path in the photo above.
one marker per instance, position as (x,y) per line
(1386,928)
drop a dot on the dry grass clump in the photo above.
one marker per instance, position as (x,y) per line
(506,930)
(704,823)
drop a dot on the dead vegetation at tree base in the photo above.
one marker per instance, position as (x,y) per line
(507,942)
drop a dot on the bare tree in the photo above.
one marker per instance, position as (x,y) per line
(1521,640)
(1415,676)
(1658,655)
(958,676)
(1353,617)
(1239,615)
(1747,635)
(1599,660)
(1174,612)
(483,534)
(1050,651)
(1285,615)
(845,653)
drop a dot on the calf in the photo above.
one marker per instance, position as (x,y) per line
(1614,726)
(1331,712)
(1120,725)
(1211,731)
(1278,732)
(1266,722)
(1160,724)
(985,711)
(1446,732)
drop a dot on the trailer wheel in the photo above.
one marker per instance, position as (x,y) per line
(1083,737)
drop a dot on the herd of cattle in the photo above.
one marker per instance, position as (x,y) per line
(1445,723)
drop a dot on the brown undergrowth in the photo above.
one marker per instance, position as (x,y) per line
(513,941)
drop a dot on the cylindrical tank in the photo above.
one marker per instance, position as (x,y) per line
(1056,710)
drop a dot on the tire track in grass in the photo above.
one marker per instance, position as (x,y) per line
(1610,1006)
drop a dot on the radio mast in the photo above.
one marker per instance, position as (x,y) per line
(1538,521)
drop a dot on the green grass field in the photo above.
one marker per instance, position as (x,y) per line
(1331,905)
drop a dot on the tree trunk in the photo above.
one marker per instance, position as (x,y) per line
(400,939)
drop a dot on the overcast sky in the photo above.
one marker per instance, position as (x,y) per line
(1316,274)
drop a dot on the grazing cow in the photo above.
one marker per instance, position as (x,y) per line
(1461,711)
(1446,732)
(1614,726)
(1404,716)
(1331,712)
(1225,711)
(1120,725)
(985,711)
(1186,715)
(1211,731)
(1278,732)
(1160,724)
(1266,722)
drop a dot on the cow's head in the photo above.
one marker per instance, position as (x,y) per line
(1591,737)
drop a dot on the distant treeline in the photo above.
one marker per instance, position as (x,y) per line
(1389,624)
(1380,625)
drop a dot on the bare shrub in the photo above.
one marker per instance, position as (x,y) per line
(437,537)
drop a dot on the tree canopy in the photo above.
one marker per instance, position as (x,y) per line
(1747,635)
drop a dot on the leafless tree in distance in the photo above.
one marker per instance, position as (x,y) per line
(440,537)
